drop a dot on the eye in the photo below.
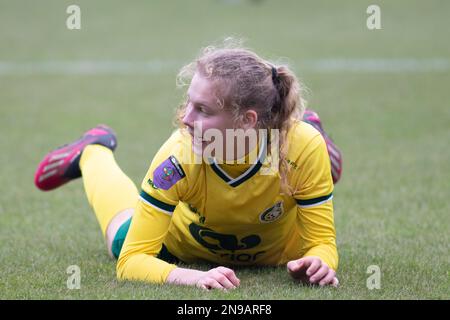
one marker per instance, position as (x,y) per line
(202,109)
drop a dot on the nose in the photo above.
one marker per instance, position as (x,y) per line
(189,118)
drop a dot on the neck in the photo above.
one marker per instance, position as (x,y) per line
(245,153)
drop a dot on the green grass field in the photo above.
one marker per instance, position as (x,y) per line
(392,205)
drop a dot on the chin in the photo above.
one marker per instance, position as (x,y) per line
(198,148)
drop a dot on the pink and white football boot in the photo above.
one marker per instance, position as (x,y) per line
(62,164)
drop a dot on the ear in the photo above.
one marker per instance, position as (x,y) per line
(249,119)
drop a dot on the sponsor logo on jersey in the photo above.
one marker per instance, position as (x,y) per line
(218,241)
(201,218)
(273,213)
(168,173)
(215,241)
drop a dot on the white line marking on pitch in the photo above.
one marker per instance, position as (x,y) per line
(121,67)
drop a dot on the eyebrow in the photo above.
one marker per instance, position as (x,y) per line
(203,103)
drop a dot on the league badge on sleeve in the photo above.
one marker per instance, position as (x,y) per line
(168,173)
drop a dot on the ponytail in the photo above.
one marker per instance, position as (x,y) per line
(288,106)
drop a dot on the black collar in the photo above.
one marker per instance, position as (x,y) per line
(250,172)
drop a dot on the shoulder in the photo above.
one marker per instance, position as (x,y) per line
(302,139)
(178,144)
(175,159)
(310,172)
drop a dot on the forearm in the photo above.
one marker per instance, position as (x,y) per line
(143,267)
(137,260)
(182,276)
(316,225)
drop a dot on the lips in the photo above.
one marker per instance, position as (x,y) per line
(194,138)
(198,140)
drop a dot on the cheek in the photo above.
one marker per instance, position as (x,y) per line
(214,123)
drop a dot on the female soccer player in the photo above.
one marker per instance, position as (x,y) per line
(267,201)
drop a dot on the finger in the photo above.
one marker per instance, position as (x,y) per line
(328,279)
(203,286)
(292,266)
(319,274)
(295,265)
(335,282)
(230,275)
(211,283)
(223,280)
(299,272)
(315,265)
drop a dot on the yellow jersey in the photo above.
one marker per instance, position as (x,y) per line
(231,214)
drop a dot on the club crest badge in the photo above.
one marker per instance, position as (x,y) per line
(168,173)
(272,213)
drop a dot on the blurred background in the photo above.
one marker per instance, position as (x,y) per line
(383,96)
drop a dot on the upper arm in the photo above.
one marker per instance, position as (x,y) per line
(313,194)
(312,179)
(162,188)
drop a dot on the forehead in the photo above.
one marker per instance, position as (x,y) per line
(203,90)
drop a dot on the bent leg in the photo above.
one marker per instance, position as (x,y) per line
(110,192)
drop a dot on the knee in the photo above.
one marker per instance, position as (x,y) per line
(114,227)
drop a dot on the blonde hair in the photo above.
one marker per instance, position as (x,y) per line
(245,81)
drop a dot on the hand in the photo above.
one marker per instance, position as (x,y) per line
(312,270)
(217,278)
